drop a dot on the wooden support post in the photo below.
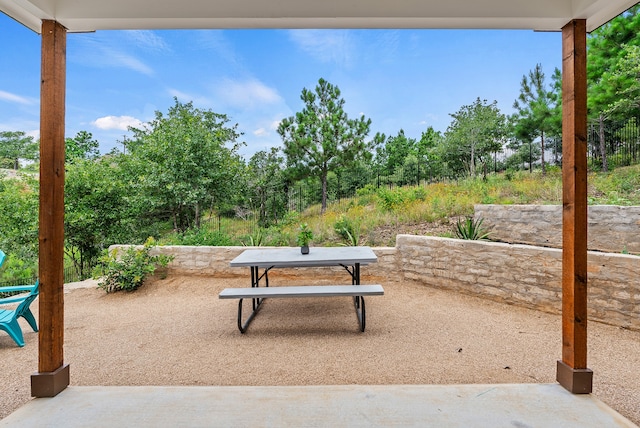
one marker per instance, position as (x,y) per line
(572,371)
(53,375)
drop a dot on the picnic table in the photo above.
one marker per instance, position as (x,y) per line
(350,258)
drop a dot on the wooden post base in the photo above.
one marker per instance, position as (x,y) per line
(576,381)
(50,384)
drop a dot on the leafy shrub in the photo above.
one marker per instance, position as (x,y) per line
(392,199)
(290,218)
(419,193)
(201,237)
(129,270)
(508,174)
(470,228)
(14,269)
(368,189)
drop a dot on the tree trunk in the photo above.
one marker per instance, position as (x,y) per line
(542,152)
(197,216)
(603,146)
(324,191)
(324,194)
(472,163)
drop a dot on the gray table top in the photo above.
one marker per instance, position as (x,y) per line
(318,256)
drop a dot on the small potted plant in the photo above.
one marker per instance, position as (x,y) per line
(305,235)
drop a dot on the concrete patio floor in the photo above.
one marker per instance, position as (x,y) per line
(500,405)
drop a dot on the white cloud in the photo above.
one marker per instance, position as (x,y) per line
(268,130)
(8,96)
(430,118)
(129,61)
(334,46)
(198,100)
(147,39)
(97,50)
(216,41)
(116,122)
(247,94)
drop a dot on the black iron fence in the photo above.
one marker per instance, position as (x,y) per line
(610,143)
(613,143)
(70,275)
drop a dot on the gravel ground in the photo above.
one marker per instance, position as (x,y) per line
(177,332)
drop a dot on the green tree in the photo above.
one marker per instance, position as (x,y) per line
(184,164)
(607,46)
(606,49)
(267,185)
(428,153)
(535,108)
(98,211)
(321,138)
(82,146)
(19,217)
(626,77)
(476,132)
(393,151)
(16,145)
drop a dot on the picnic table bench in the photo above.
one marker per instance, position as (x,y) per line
(356,291)
(350,258)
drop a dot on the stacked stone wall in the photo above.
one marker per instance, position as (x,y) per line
(524,275)
(214,261)
(613,229)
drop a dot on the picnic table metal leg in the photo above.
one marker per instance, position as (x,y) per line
(354,272)
(358,302)
(256,277)
(255,282)
(243,327)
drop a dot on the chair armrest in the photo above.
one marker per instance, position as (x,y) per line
(13,289)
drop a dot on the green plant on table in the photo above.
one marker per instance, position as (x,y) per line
(470,228)
(129,270)
(305,235)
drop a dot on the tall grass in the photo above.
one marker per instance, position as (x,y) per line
(374,208)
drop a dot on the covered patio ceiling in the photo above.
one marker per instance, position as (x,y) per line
(91,15)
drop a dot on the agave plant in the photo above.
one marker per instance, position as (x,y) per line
(348,230)
(255,239)
(470,228)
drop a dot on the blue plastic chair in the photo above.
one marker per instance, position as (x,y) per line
(9,317)
(2,257)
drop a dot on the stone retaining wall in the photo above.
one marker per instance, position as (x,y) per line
(517,274)
(196,260)
(523,275)
(613,229)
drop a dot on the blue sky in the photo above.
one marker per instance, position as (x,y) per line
(400,79)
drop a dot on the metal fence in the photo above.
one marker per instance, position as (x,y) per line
(70,275)
(613,143)
(621,147)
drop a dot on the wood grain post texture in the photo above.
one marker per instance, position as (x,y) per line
(572,371)
(53,375)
